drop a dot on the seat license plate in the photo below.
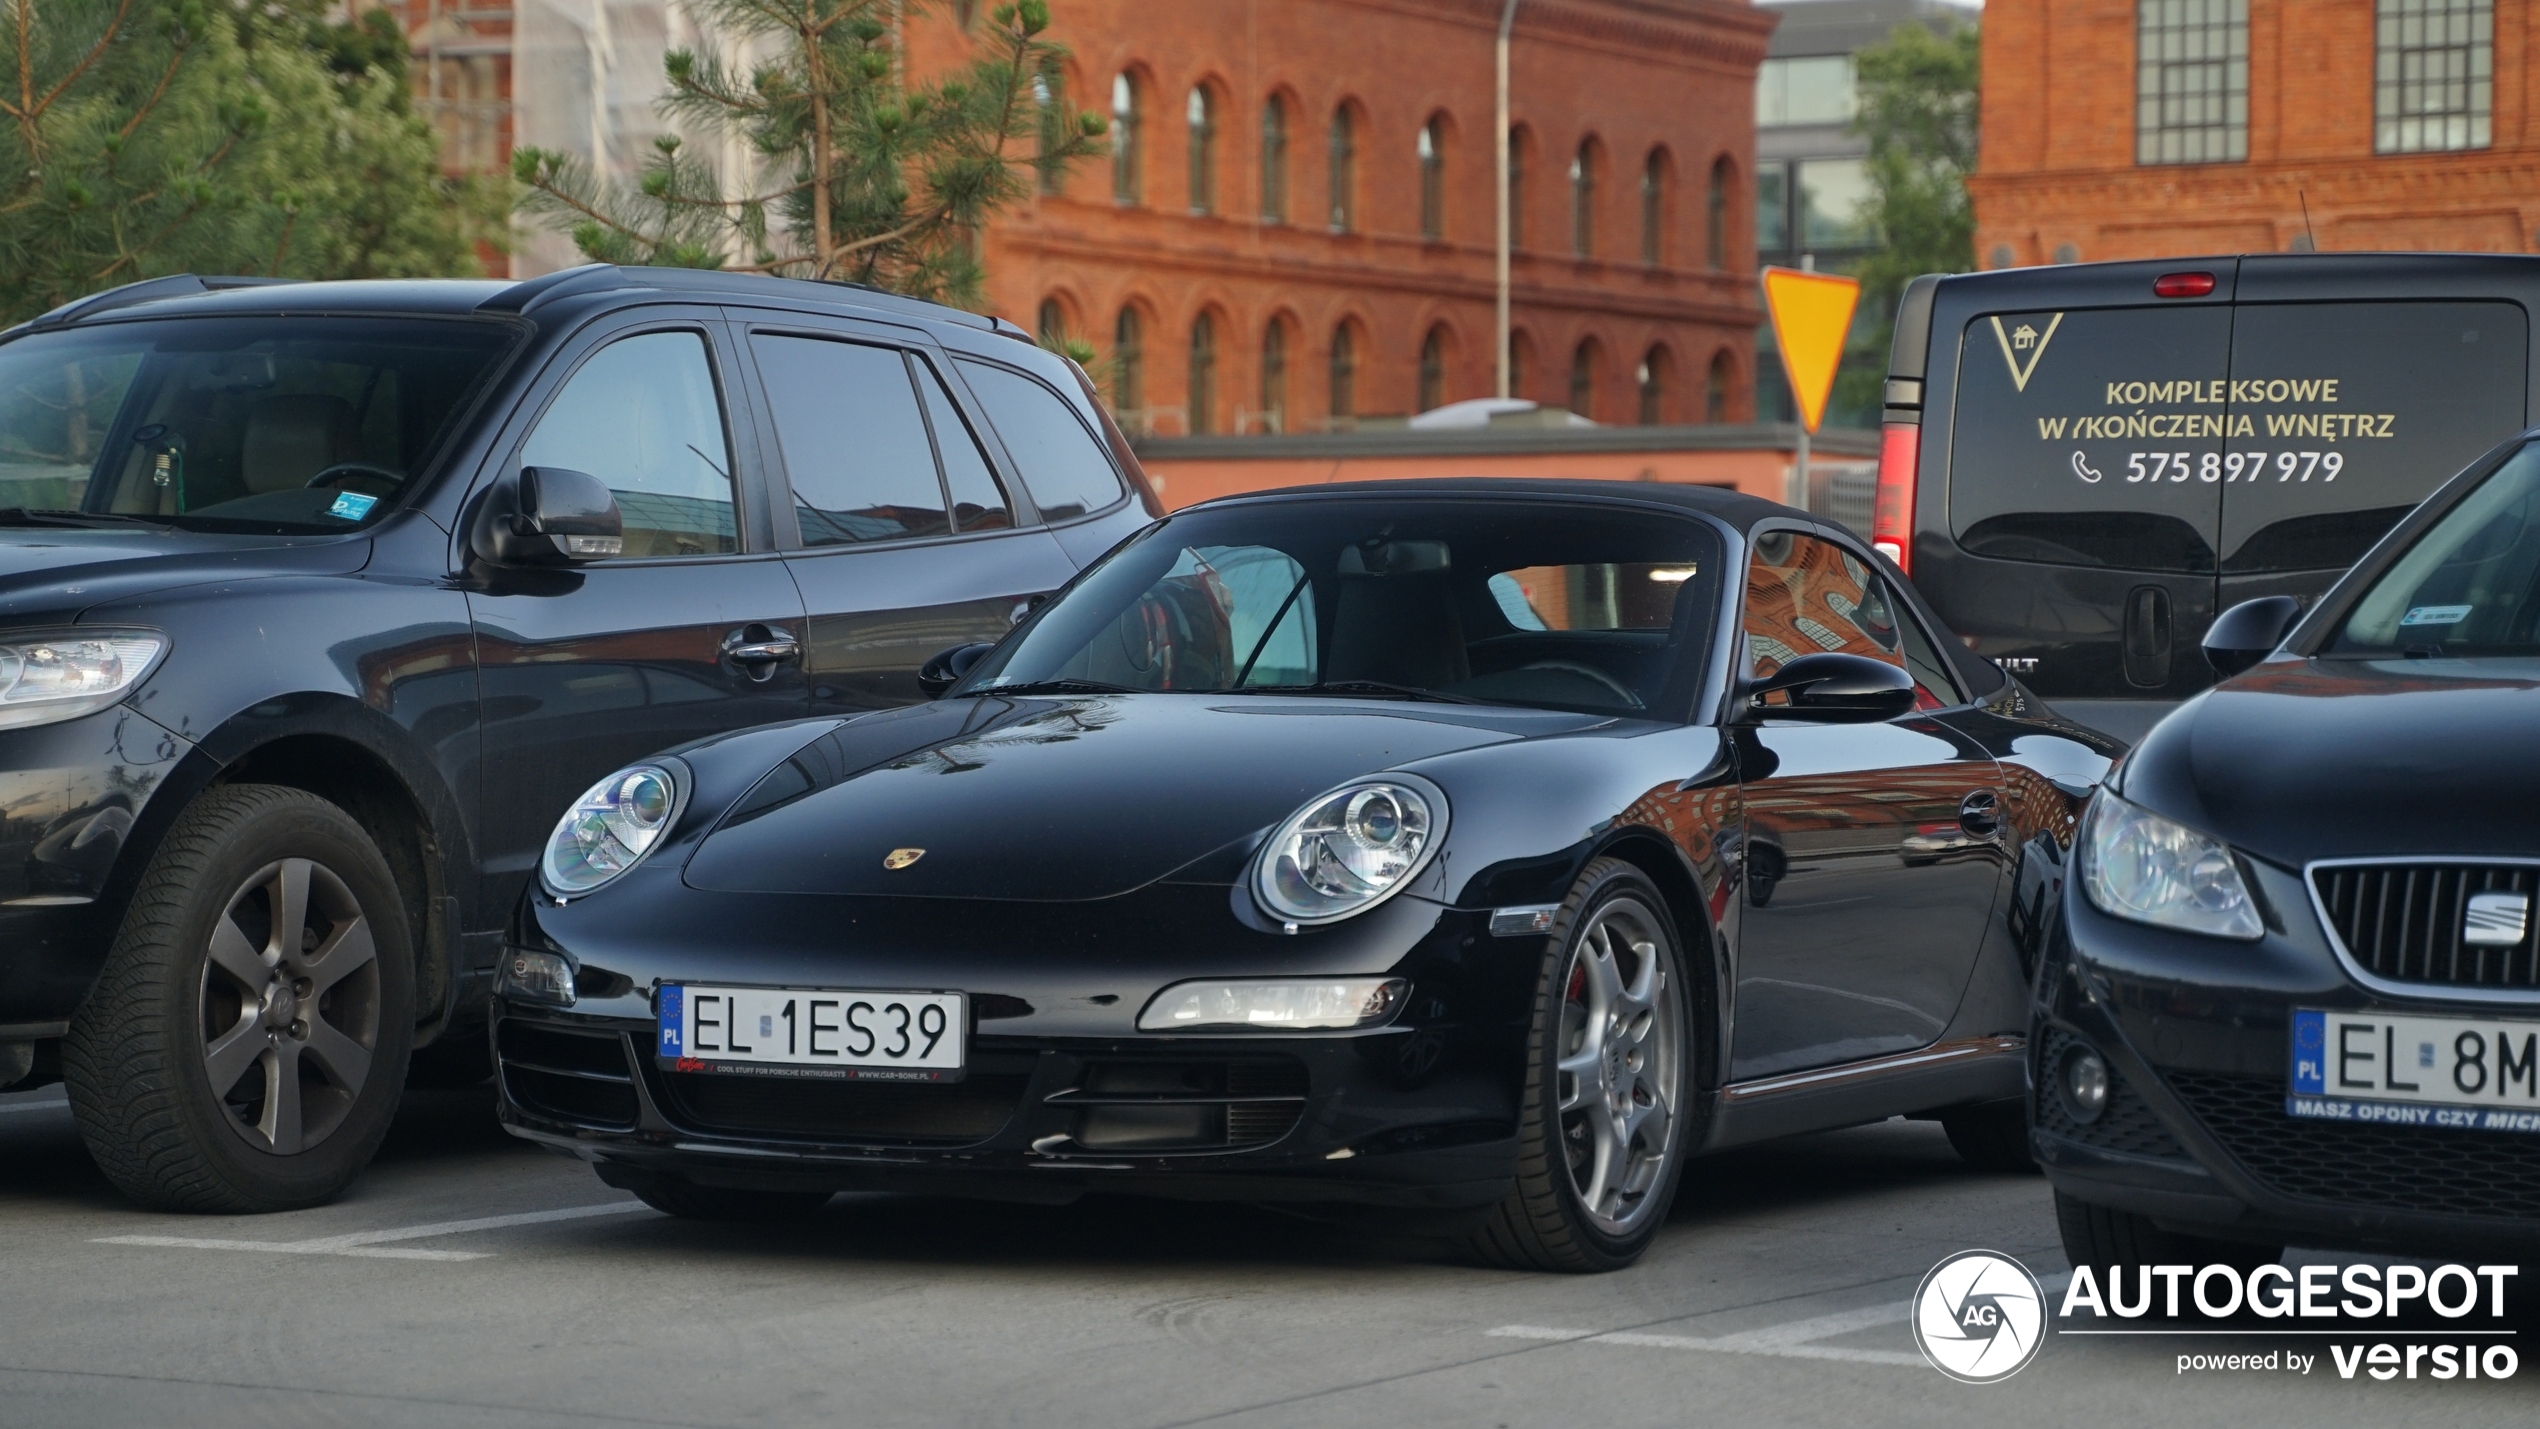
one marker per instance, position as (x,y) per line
(792,1032)
(2464,1073)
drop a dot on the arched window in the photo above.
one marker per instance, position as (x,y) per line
(1715,388)
(1274,160)
(1715,241)
(1129,370)
(1655,378)
(1344,375)
(1052,126)
(1518,141)
(1203,405)
(1344,167)
(1433,368)
(1202,114)
(1125,159)
(1583,379)
(1053,324)
(1583,200)
(1521,364)
(1433,180)
(1274,376)
(1653,208)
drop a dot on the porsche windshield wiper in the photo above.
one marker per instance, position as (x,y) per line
(1361,687)
(36,516)
(1069,686)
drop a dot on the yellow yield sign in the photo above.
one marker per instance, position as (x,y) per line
(1811,314)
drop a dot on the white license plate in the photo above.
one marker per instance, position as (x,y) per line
(2465,1073)
(792,1032)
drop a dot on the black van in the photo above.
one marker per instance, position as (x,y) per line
(321,602)
(2084,463)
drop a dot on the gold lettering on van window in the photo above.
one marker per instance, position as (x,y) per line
(2028,340)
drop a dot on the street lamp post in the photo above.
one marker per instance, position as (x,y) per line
(1507,21)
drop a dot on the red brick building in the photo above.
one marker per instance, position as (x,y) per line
(2147,128)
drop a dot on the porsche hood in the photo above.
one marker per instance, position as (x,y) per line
(1066,799)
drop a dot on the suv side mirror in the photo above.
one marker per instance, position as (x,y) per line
(1834,688)
(2249,632)
(945,668)
(558,517)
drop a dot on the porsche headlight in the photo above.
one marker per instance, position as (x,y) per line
(49,678)
(2136,864)
(1350,849)
(612,826)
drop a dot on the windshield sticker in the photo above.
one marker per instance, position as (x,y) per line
(352,506)
(2436,615)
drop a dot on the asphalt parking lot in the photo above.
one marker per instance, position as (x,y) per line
(468,1279)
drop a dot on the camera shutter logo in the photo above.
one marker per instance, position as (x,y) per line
(1979,1317)
(2496,920)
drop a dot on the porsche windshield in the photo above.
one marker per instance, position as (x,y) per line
(250,424)
(1603,610)
(2469,586)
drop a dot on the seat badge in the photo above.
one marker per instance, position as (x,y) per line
(2496,920)
(900,858)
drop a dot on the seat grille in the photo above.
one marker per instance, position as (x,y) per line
(574,1076)
(2127,1125)
(2406,922)
(2400,1168)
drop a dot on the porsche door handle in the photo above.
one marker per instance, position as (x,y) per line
(1980,813)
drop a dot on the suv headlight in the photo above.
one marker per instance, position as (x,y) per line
(612,826)
(2136,864)
(44,678)
(1349,850)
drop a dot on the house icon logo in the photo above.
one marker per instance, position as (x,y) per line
(2024,339)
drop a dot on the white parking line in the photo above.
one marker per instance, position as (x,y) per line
(60,1103)
(374,1245)
(1794,1340)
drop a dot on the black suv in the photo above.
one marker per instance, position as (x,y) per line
(320,603)
(2084,463)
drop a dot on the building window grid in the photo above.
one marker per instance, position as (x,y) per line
(2434,75)
(1343,167)
(1200,114)
(1432,152)
(1201,418)
(2191,81)
(1124,139)
(1274,160)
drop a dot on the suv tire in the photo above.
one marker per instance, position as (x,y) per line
(1612,1028)
(305,1031)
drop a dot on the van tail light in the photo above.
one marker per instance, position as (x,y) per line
(1892,518)
(2182,285)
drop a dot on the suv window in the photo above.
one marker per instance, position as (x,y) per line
(854,440)
(1805,595)
(2356,411)
(1068,472)
(979,503)
(644,417)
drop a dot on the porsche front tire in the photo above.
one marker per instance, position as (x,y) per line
(1604,1126)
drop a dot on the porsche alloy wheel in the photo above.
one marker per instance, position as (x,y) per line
(1602,1131)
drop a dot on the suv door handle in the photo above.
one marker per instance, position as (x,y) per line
(1980,813)
(759,649)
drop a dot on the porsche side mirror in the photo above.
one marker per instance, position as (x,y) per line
(1834,688)
(945,668)
(554,516)
(2249,632)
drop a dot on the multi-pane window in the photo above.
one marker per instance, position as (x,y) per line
(1200,114)
(2434,75)
(1715,226)
(1517,139)
(1344,170)
(1202,417)
(1433,369)
(1124,138)
(1653,207)
(1129,369)
(2191,81)
(1344,375)
(1432,147)
(1274,160)
(1274,376)
(1583,200)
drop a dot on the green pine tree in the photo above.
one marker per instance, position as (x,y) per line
(863,174)
(146,137)
(1916,94)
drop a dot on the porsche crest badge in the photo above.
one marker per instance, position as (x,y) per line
(900,858)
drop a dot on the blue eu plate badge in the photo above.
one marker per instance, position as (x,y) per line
(2310,1053)
(673,1017)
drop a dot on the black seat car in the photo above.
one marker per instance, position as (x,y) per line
(2298,994)
(2084,463)
(320,602)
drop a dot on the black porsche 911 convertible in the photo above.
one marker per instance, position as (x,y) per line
(1485,849)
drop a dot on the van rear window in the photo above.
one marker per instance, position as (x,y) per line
(2251,439)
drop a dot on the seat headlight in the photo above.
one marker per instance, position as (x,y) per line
(2136,864)
(612,826)
(1350,849)
(44,678)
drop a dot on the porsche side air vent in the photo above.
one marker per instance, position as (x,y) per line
(580,1077)
(885,1113)
(1186,1106)
(2444,924)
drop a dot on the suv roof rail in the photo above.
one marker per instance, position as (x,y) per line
(520,297)
(525,296)
(175,285)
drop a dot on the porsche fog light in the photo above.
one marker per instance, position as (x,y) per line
(1350,849)
(2140,866)
(537,977)
(611,827)
(2083,1083)
(1275,1004)
(44,679)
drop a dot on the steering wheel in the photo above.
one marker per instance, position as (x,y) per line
(1623,694)
(365,477)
